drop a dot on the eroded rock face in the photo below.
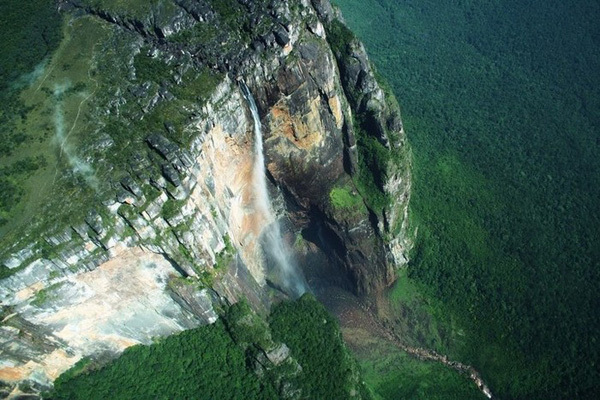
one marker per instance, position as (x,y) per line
(308,156)
(122,275)
(310,105)
(124,301)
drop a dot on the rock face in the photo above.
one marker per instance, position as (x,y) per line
(178,233)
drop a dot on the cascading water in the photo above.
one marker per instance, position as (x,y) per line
(274,247)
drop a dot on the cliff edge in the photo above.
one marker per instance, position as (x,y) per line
(151,220)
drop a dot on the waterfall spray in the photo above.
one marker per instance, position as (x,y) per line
(274,246)
(61,135)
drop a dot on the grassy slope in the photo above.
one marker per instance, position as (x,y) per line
(502,109)
(30,33)
(77,101)
(64,88)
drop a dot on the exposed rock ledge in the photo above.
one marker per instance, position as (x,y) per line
(122,302)
(107,287)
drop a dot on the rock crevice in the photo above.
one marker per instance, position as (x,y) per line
(178,233)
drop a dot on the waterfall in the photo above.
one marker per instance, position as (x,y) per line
(274,247)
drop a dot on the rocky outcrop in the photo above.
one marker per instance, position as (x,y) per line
(158,20)
(178,233)
(314,103)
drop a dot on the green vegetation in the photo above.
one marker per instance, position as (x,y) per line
(200,362)
(197,85)
(56,99)
(5,272)
(230,11)
(373,157)
(10,176)
(45,295)
(225,256)
(247,328)
(197,35)
(194,89)
(219,361)
(82,366)
(223,260)
(419,319)
(502,109)
(345,198)
(85,119)
(171,208)
(313,336)
(340,38)
(155,10)
(35,26)
(149,68)
(392,374)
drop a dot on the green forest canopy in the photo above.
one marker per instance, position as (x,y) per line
(502,107)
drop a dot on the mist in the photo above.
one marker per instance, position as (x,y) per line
(61,137)
(274,246)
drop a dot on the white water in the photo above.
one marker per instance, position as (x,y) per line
(274,247)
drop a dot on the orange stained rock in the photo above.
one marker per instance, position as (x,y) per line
(11,374)
(295,128)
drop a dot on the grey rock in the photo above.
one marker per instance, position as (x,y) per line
(131,185)
(324,10)
(81,230)
(94,220)
(18,258)
(125,197)
(171,174)
(279,354)
(163,146)
(281,36)
(309,149)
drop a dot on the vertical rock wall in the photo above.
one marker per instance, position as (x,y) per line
(159,255)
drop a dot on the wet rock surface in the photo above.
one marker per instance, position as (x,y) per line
(181,208)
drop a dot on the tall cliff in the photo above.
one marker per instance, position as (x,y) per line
(151,221)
